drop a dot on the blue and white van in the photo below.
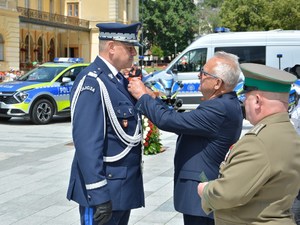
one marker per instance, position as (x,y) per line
(276,48)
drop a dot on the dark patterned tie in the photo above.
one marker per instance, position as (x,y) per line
(121,79)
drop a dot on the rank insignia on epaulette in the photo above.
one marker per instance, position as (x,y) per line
(110,76)
(92,74)
(256,129)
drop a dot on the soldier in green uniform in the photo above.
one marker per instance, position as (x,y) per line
(260,176)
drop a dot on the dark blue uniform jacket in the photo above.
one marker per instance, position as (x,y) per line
(205,136)
(92,180)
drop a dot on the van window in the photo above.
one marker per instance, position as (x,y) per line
(247,54)
(191,61)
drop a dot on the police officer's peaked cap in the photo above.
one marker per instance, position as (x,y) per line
(265,78)
(120,32)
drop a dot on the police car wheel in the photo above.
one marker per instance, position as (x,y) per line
(42,112)
(3,119)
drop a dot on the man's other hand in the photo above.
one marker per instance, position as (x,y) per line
(103,213)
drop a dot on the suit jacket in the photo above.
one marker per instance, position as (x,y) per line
(260,178)
(205,135)
(92,180)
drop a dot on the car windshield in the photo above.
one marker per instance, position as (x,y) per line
(41,74)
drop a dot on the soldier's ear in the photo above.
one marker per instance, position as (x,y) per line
(259,99)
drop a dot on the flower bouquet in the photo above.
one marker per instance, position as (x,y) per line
(151,140)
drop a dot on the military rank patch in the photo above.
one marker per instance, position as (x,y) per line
(256,129)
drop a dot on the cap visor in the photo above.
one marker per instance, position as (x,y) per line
(137,44)
(134,43)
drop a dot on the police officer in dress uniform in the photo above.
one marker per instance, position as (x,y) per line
(259,178)
(205,134)
(106,177)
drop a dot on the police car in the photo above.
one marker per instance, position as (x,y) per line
(42,92)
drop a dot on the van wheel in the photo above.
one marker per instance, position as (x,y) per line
(42,112)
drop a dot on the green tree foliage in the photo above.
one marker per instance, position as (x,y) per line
(212,3)
(208,18)
(245,15)
(286,14)
(166,22)
(157,51)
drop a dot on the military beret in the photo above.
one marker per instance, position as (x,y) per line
(265,78)
(120,32)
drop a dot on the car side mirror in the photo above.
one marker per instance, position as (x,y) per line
(175,71)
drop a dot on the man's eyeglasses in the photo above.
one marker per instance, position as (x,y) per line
(202,71)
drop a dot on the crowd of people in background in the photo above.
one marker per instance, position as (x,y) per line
(10,75)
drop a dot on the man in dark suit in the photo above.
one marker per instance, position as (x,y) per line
(259,179)
(205,134)
(106,178)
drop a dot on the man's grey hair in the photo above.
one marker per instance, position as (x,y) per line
(102,45)
(228,69)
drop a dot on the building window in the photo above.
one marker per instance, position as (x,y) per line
(27,59)
(73,9)
(27,4)
(40,5)
(51,50)
(39,51)
(51,6)
(73,52)
(1,48)
(3,3)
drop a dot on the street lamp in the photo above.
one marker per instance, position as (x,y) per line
(175,45)
(142,34)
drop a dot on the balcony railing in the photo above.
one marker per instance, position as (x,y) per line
(53,18)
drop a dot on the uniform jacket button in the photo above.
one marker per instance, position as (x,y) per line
(110,175)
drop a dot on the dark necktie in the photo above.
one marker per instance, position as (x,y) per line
(120,78)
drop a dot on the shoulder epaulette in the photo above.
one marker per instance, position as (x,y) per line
(256,129)
(92,74)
